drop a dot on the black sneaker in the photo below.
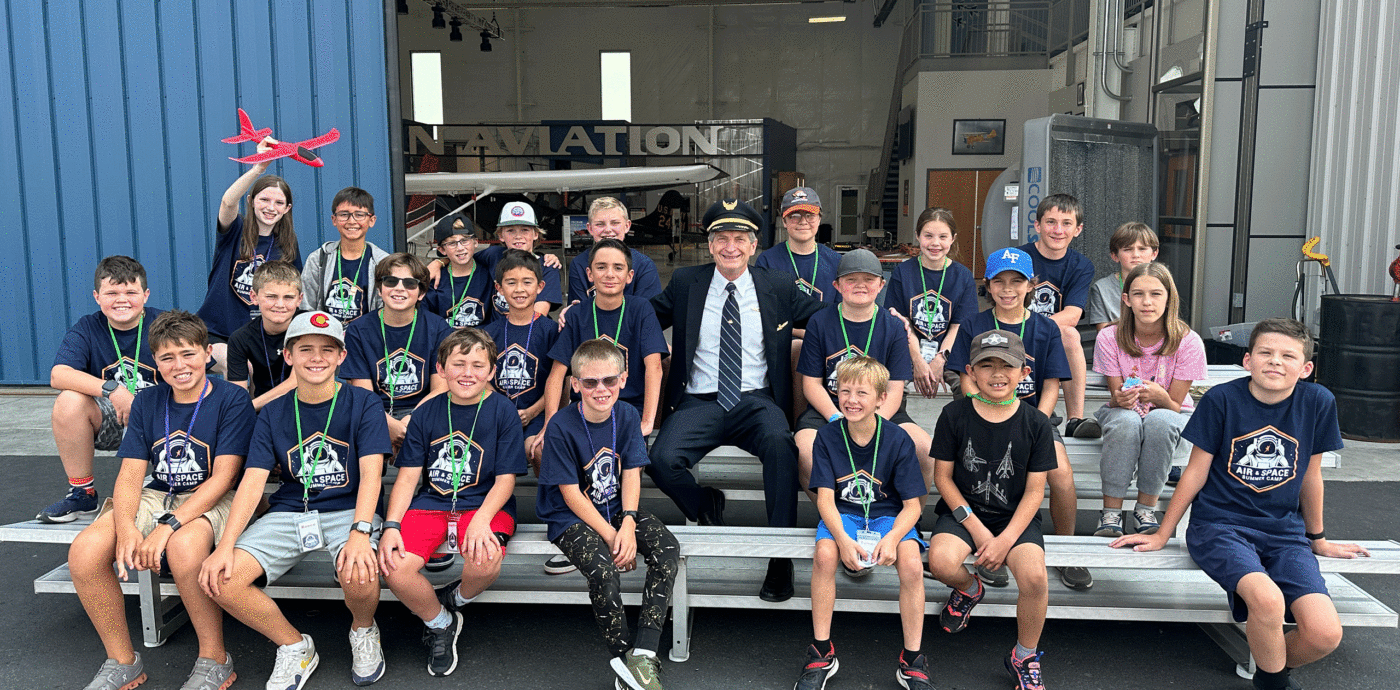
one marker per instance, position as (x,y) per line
(819,667)
(442,646)
(1026,671)
(994,578)
(953,618)
(438,562)
(913,676)
(79,501)
(1086,427)
(559,565)
(1077,579)
(447,596)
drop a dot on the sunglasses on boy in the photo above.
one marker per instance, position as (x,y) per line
(590,384)
(393,281)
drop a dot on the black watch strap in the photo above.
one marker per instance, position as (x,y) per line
(632,514)
(392,524)
(171,520)
(1315,536)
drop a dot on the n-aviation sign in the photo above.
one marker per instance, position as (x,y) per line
(566,139)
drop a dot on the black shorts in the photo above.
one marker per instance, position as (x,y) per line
(811,419)
(947,524)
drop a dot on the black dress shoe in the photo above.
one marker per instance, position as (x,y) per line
(713,514)
(777,586)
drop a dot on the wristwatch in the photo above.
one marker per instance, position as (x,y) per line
(390,524)
(630,513)
(945,353)
(109,387)
(961,513)
(363,527)
(169,519)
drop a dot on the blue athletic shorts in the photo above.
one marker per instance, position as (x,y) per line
(1227,553)
(883,525)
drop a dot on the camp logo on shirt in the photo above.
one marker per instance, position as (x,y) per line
(1026,386)
(319,462)
(602,476)
(930,312)
(125,368)
(457,451)
(516,371)
(831,362)
(1045,299)
(402,374)
(469,312)
(859,488)
(241,279)
(343,299)
(181,461)
(1263,460)
(807,287)
(500,303)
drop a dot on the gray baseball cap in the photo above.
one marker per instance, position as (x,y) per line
(860,261)
(801,199)
(315,323)
(1003,345)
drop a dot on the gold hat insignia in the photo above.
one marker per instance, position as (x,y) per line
(730,205)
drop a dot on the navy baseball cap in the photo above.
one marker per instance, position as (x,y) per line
(1010,259)
(445,227)
(800,199)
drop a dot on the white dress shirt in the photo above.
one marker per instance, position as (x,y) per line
(704,374)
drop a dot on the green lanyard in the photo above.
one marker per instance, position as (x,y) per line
(992,402)
(340,275)
(874,460)
(922,279)
(816,264)
(388,366)
(617,337)
(459,463)
(318,452)
(131,373)
(841,316)
(452,285)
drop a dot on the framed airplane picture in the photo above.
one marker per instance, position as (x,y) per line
(979,137)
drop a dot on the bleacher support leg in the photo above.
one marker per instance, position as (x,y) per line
(159,617)
(680,614)
(1231,639)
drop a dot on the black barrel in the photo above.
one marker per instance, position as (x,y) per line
(1359,362)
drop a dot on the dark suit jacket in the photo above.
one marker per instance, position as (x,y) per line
(781,306)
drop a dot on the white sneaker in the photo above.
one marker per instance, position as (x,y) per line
(366,656)
(293,668)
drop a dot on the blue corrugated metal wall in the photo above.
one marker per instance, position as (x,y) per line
(110,143)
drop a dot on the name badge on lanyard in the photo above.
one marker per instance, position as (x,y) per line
(309,534)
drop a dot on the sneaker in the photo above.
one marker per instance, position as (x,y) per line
(442,646)
(913,676)
(447,595)
(1146,519)
(862,572)
(559,565)
(994,578)
(78,502)
(1086,427)
(211,675)
(115,676)
(1026,671)
(818,669)
(1174,476)
(1110,524)
(959,606)
(637,671)
(1077,579)
(292,668)
(366,656)
(438,562)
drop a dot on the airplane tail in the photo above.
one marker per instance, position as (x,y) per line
(246,131)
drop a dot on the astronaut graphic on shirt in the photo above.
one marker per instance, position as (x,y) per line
(241,278)
(343,299)
(469,312)
(602,477)
(401,375)
(930,311)
(180,463)
(1264,460)
(860,488)
(319,462)
(127,370)
(455,454)
(516,371)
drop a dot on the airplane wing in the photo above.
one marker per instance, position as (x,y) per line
(279,151)
(327,138)
(635,178)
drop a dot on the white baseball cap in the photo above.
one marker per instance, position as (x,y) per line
(517,213)
(315,323)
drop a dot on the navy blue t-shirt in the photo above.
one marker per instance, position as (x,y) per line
(931,300)
(522,360)
(462,301)
(347,294)
(1260,453)
(329,459)
(813,272)
(229,302)
(184,458)
(553,292)
(1059,283)
(991,459)
(638,336)
(824,346)
(404,376)
(1045,352)
(486,441)
(586,454)
(87,347)
(646,283)
(894,478)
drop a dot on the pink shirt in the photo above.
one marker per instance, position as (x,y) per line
(1188,364)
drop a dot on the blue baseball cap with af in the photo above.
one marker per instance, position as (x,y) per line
(1010,259)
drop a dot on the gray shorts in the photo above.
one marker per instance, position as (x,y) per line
(109,435)
(272,539)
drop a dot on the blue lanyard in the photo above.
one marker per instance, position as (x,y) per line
(189,431)
(617,461)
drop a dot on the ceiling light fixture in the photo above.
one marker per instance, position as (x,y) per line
(456,34)
(824,20)
(486,41)
(439,22)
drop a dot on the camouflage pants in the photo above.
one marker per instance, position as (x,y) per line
(656,545)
